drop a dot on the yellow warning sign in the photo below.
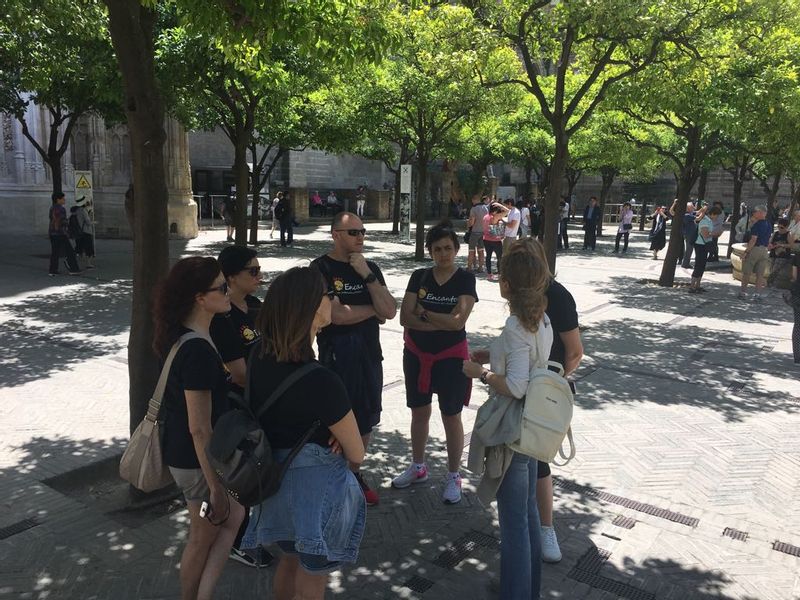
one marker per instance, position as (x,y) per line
(83,183)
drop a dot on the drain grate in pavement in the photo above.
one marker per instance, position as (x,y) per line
(648,509)
(736,386)
(587,571)
(624,522)
(18,527)
(418,584)
(735,534)
(786,548)
(463,547)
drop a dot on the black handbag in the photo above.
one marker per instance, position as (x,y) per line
(467,234)
(627,226)
(240,453)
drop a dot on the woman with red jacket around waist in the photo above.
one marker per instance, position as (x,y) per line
(435,309)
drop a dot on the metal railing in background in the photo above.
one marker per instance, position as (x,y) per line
(209,209)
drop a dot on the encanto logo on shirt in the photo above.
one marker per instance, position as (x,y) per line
(422,293)
(434,299)
(248,335)
(338,284)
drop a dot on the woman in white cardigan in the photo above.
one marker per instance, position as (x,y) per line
(523,344)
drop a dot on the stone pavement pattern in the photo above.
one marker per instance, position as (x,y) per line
(686,426)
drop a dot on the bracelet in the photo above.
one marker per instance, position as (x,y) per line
(423,316)
(483,377)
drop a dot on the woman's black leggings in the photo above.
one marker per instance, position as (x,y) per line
(796,329)
(620,235)
(493,248)
(700,260)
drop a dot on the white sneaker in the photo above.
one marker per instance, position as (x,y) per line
(452,489)
(551,553)
(411,475)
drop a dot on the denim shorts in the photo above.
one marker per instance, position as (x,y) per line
(315,564)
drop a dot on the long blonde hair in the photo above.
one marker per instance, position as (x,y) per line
(525,271)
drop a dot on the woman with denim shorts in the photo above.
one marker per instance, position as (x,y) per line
(317,517)
(511,477)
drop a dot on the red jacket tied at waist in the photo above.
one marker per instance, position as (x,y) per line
(427,360)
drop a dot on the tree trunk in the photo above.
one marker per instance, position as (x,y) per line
(241,175)
(54,162)
(132,32)
(256,188)
(552,213)
(702,184)
(739,173)
(685,183)
(608,176)
(422,202)
(528,179)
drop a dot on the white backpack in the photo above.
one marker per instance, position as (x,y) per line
(546,416)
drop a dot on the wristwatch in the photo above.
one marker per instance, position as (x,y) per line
(483,377)
(370,278)
(423,316)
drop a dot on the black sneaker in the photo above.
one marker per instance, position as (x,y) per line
(257,557)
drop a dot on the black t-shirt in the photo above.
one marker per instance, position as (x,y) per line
(234,333)
(318,396)
(563,315)
(439,299)
(351,289)
(197,366)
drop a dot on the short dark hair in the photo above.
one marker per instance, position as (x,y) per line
(783,222)
(56,196)
(234,259)
(441,230)
(495,209)
(287,313)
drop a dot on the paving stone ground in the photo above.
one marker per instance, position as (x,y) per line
(686,425)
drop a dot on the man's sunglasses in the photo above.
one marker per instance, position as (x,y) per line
(223,288)
(354,232)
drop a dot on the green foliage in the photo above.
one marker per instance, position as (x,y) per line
(57,53)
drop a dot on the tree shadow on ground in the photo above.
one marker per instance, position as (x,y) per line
(76,548)
(46,333)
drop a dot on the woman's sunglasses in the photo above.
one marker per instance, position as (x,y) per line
(223,288)
(254,271)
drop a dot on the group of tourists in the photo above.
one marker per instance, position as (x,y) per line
(63,230)
(317,517)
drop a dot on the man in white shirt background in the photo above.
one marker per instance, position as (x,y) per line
(512,223)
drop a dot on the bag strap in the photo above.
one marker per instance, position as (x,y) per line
(154,406)
(282,388)
(566,458)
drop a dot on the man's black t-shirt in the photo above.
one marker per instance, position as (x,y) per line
(351,289)
(563,315)
(439,299)
(197,366)
(318,396)
(234,333)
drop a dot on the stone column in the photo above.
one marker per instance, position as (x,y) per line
(298,197)
(182,209)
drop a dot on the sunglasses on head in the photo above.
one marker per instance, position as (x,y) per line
(222,288)
(254,271)
(354,232)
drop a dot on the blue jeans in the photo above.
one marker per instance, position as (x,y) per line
(520,537)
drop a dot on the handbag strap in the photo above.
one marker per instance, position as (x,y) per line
(293,378)
(571,455)
(154,406)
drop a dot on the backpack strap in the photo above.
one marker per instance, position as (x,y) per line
(282,388)
(566,458)
(154,406)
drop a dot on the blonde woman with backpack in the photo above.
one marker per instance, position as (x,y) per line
(525,342)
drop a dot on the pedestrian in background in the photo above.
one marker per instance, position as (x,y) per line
(625,226)
(59,238)
(275,201)
(285,215)
(756,258)
(493,235)
(196,396)
(84,241)
(658,230)
(475,225)
(705,228)
(591,217)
